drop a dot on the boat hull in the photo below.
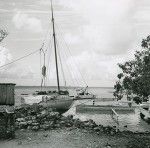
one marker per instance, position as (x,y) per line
(58,103)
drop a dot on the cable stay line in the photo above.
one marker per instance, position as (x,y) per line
(61,65)
(67,68)
(71,66)
(14,61)
(66,64)
(75,75)
(18,59)
(71,54)
(49,59)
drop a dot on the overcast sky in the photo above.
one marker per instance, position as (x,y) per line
(99,34)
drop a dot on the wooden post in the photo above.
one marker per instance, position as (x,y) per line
(117,116)
(93,102)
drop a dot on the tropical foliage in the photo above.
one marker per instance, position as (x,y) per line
(3,34)
(134,80)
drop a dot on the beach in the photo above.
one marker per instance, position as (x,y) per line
(48,129)
(73,138)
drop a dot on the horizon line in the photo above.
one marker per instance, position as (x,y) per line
(63,86)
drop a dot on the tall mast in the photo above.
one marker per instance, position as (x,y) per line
(57,73)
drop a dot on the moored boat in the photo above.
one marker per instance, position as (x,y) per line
(84,94)
(58,100)
(60,103)
(145,111)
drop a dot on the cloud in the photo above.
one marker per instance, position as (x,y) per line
(101,33)
(17,72)
(109,26)
(95,69)
(71,39)
(45,2)
(5,55)
(24,21)
(110,39)
(12,71)
(24,72)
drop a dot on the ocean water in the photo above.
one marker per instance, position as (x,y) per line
(129,121)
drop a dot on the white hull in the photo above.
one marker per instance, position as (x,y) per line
(59,103)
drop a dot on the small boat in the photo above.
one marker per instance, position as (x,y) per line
(145,111)
(84,94)
(58,100)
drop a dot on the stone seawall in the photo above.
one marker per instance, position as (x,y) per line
(36,118)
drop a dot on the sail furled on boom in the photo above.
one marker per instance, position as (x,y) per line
(44,71)
(43,68)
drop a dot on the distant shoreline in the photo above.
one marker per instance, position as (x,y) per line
(67,86)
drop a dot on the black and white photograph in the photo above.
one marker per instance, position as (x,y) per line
(74,73)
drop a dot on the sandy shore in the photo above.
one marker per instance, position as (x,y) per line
(68,138)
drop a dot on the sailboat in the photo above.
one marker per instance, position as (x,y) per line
(58,100)
(84,94)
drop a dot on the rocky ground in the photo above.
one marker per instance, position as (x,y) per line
(64,138)
(43,128)
(74,138)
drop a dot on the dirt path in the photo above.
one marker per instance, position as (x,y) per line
(66,138)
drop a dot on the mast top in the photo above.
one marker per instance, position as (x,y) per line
(52,10)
